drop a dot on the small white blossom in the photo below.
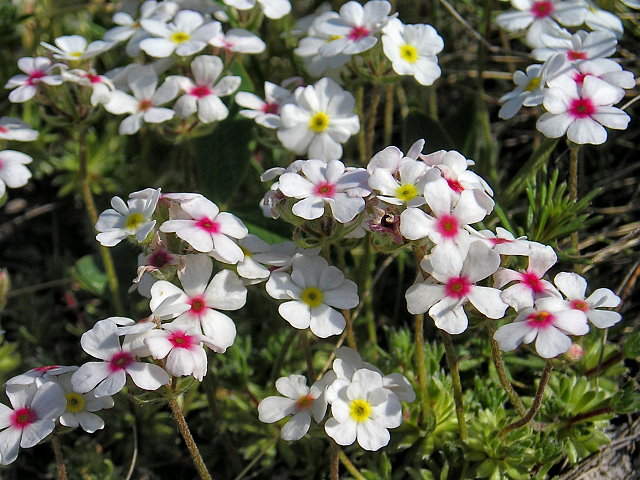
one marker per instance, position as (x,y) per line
(38,70)
(273,9)
(238,40)
(265,112)
(15,129)
(74,48)
(13,173)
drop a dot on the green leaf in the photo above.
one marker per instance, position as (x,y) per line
(223,158)
(631,347)
(419,125)
(529,169)
(89,276)
(627,400)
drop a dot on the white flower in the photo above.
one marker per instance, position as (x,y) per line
(457,276)
(540,15)
(186,35)
(545,322)
(504,242)
(257,254)
(599,19)
(412,50)
(529,284)
(127,219)
(355,27)
(299,400)
(576,47)
(31,419)
(203,94)
(265,112)
(197,304)
(15,129)
(74,48)
(582,113)
(407,190)
(311,291)
(182,347)
(320,119)
(273,9)
(238,40)
(362,410)
(13,173)
(605,69)
(145,103)
(392,158)
(207,229)
(39,375)
(109,376)
(80,406)
(574,288)
(326,184)
(38,70)
(101,86)
(130,29)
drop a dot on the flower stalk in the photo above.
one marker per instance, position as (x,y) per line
(457,384)
(57,452)
(496,354)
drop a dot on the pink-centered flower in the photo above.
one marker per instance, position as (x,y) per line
(38,71)
(109,376)
(548,324)
(206,229)
(457,276)
(31,419)
(582,112)
(265,112)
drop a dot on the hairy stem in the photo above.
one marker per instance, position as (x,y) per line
(537,402)
(420,364)
(388,113)
(362,135)
(457,385)
(90,205)
(335,462)
(372,117)
(502,373)
(57,452)
(351,338)
(183,428)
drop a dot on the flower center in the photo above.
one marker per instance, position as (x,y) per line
(540,319)
(4,130)
(581,108)
(319,122)
(579,77)
(533,84)
(580,305)
(180,339)
(179,37)
(360,410)
(312,296)
(133,221)
(145,105)
(409,53)
(93,78)
(541,9)
(447,226)
(499,241)
(75,402)
(357,33)
(76,54)
(198,304)
(406,192)
(200,91)
(120,361)
(23,417)
(574,55)
(304,403)
(324,190)
(159,258)
(208,225)
(457,287)
(34,77)
(454,185)
(270,108)
(532,281)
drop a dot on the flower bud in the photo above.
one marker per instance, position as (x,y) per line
(575,353)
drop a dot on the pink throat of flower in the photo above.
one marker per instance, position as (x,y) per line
(305,402)
(159,258)
(541,9)
(120,361)
(94,78)
(499,241)
(46,368)
(198,304)
(532,281)
(208,225)
(23,417)
(324,190)
(581,108)
(580,305)
(180,339)
(574,55)
(4,130)
(145,105)
(454,185)
(201,91)
(447,226)
(541,319)
(357,33)
(457,287)
(271,108)
(35,76)
(579,77)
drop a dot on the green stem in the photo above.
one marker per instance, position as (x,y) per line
(373,113)
(457,385)
(348,464)
(388,113)
(90,205)
(421,365)
(351,338)
(304,339)
(502,373)
(537,402)
(183,428)
(366,281)
(574,155)
(57,452)
(362,135)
